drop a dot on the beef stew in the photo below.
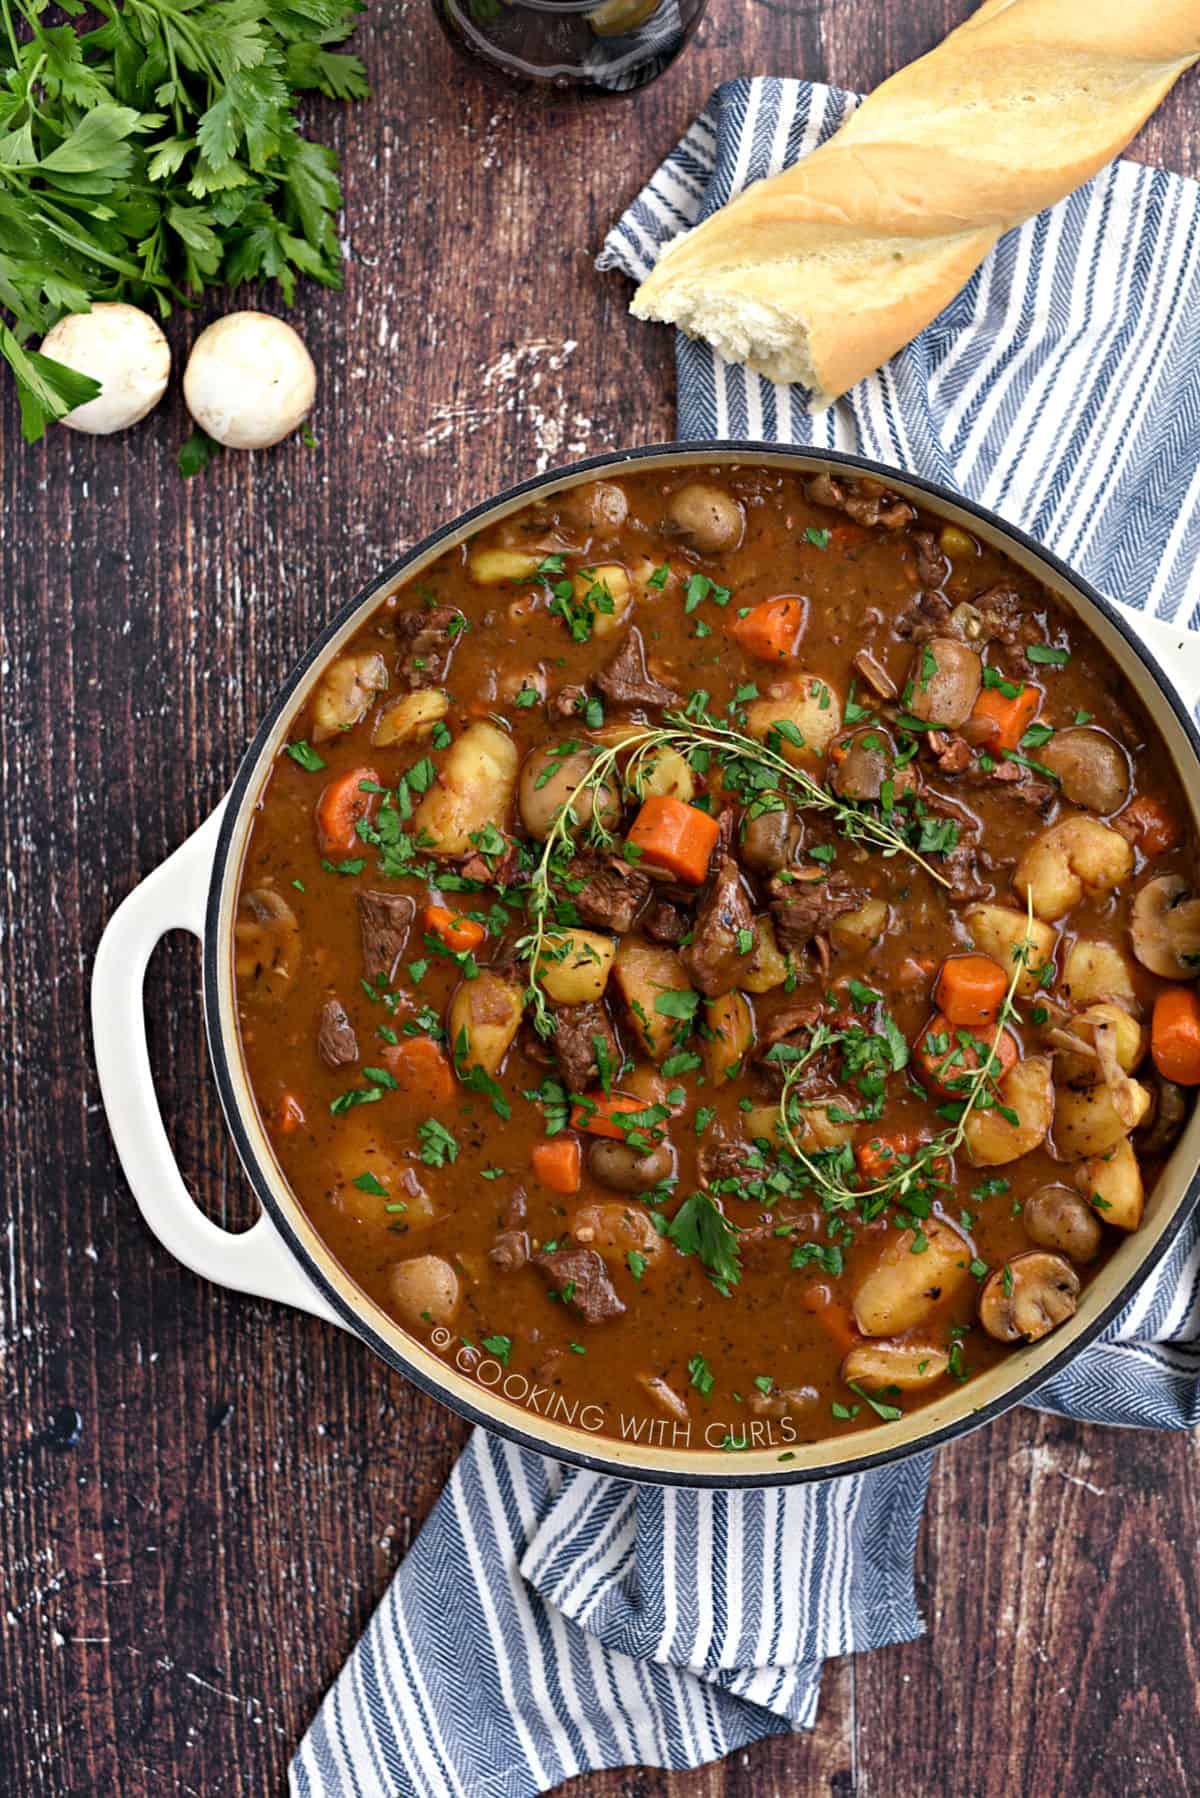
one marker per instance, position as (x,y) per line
(722,944)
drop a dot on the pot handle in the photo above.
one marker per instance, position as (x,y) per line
(257,1260)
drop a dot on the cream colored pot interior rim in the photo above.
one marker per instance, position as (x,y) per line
(954,1409)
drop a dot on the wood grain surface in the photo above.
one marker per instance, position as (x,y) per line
(203,1495)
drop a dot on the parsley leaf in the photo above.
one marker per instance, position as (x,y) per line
(700,1228)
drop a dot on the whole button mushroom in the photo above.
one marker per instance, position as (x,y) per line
(249,381)
(121,347)
(1060,1219)
(710,519)
(1091,767)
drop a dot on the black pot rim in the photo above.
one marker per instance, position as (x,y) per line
(726,450)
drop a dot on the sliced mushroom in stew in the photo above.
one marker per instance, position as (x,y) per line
(722,946)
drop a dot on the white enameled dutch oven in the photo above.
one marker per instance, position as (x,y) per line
(282,1257)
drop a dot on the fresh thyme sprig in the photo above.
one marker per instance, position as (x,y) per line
(920,1167)
(687,736)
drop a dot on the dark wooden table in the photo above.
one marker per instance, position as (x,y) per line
(204,1496)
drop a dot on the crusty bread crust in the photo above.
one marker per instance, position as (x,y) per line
(820,273)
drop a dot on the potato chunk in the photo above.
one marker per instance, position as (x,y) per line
(1088,1122)
(482,1021)
(346,692)
(1076,856)
(410,717)
(501,567)
(1028,1091)
(999,930)
(1112,1185)
(731,1022)
(575,965)
(903,1289)
(809,706)
(475,787)
(1095,971)
(643,973)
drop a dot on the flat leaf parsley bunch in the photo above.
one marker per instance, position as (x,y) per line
(158,155)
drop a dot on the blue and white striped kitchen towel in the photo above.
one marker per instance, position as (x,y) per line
(549,1621)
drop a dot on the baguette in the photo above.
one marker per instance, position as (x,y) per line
(822,272)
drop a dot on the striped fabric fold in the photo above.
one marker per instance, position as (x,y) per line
(550,1621)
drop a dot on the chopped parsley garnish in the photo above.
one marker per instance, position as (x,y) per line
(889,1413)
(700,1228)
(699,588)
(305,757)
(1046,655)
(701,1375)
(438,1146)
(500,1346)
(368,1183)
(820,539)
(993,679)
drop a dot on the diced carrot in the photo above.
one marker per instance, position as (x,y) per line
(420,1067)
(879,1158)
(1148,824)
(835,1317)
(1005,720)
(944,1062)
(290,1115)
(558,1163)
(675,836)
(458,933)
(970,989)
(339,809)
(772,630)
(1175,1035)
(598,1113)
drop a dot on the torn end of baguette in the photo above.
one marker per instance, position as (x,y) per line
(763,337)
(824,319)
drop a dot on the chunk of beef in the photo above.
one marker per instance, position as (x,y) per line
(510,1251)
(581,1278)
(666,923)
(723,1160)
(926,617)
(870,509)
(726,826)
(626,682)
(932,565)
(714,958)
(1002,613)
(1017,782)
(799,1019)
(337,1044)
(427,640)
(804,909)
(961,868)
(384,921)
(612,894)
(951,753)
(495,870)
(576,1031)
